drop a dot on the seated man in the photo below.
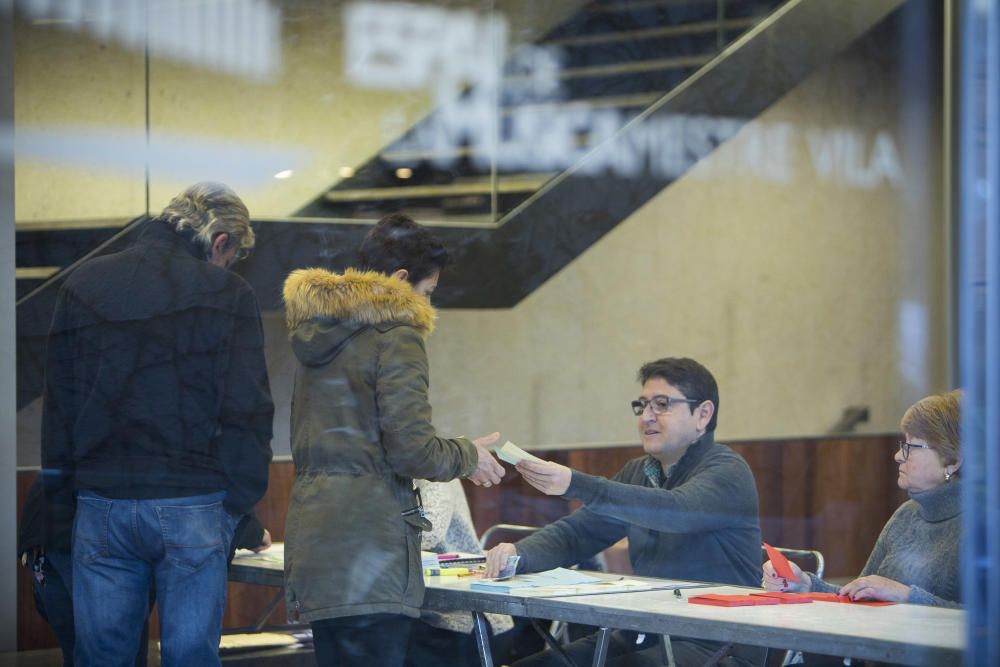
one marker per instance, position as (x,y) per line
(689,509)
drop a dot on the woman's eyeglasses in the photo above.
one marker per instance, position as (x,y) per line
(905,447)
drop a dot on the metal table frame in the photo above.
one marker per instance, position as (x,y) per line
(905,634)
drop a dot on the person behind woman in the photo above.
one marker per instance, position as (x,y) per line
(361,432)
(916,558)
(445,638)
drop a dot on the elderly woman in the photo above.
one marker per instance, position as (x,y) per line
(445,638)
(916,558)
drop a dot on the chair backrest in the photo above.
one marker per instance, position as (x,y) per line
(792,656)
(812,555)
(495,534)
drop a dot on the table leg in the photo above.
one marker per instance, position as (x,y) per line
(270,608)
(717,656)
(601,649)
(482,631)
(668,651)
(553,644)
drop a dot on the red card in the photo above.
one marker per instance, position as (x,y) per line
(785,598)
(731,600)
(781,565)
(846,599)
(827,597)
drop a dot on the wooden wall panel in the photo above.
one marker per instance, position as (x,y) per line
(32,631)
(824,493)
(833,495)
(246,602)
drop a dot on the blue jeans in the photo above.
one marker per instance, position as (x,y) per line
(121,547)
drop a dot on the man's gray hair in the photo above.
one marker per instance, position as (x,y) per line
(208,209)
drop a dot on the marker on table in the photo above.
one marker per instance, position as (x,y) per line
(448,556)
(447,571)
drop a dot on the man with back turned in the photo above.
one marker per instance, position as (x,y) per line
(156,428)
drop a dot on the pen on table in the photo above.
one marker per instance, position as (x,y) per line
(447,556)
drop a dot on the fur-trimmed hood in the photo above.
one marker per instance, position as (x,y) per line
(365,297)
(324,309)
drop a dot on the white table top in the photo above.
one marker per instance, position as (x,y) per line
(905,634)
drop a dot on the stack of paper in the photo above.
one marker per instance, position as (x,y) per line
(460,558)
(256,640)
(557,577)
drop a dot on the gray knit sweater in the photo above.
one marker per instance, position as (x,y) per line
(700,524)
(919,547)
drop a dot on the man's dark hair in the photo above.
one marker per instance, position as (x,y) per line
(689,377)
(398,242)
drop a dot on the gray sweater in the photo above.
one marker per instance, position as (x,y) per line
(701,524)
(919,547)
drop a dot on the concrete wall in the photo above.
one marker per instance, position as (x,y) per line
(802,262)
(807,278)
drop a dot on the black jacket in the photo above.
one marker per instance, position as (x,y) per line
(156,384)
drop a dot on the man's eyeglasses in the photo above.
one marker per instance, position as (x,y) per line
(905,447)
(660,404)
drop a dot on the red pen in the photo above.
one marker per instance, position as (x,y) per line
(447,556)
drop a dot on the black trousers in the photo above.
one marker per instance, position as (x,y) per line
(365,641)
(433,647)
(623,651)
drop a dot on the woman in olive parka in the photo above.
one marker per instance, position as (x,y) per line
(361,432)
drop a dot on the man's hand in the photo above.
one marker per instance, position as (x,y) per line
(265,543)
(548,477)
(874,587)
(497,557)
(772,582)
(488,471)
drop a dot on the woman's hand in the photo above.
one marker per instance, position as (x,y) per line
(772,582)
(874,587)
(488,470)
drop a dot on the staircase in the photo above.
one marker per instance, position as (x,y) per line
(616,57)
(511,223)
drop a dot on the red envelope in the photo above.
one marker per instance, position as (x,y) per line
(785,598)
(731,600)
(827,597)
(781,565)
(845,599)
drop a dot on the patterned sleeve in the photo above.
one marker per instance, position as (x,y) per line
(439,508)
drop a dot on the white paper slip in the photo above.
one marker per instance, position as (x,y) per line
(620,586)
(561,576)
(513,454)
(273,554)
